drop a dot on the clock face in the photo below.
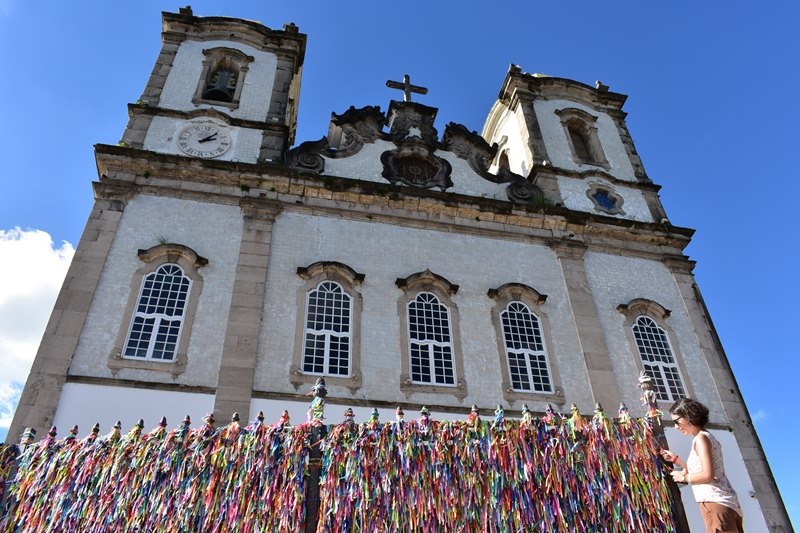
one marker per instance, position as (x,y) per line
(204,140)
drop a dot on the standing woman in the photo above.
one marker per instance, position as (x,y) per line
(703,469)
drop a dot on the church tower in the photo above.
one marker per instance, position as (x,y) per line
(222,270)
(222,97)
(223,89)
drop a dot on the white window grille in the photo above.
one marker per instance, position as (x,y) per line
(657,359)
(157,321)
(328,330)
(429,341)
(525,349)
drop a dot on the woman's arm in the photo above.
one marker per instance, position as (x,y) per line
(673,458)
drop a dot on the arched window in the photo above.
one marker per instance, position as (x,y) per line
(502,162)
(430,343)
(328,334)
(156,325)
(579,141)
(657,359)
(522,330)
(581,131)
(327,346)
(158,320)
(431,349)
(525,349)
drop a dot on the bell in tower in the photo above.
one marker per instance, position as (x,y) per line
(221,84)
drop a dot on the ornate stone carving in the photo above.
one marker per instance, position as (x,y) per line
(412,120)
(413,163)
(415,169)
(473,148)
(308,156)
(356,126)
(523,192)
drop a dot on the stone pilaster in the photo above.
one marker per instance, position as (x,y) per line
(240,348)
(603,382)
(764,486)
(39,399)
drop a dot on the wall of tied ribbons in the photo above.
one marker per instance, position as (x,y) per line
(551,475)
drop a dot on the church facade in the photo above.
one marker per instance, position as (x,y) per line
(223,271)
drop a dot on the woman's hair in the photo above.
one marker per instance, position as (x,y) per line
(693,411)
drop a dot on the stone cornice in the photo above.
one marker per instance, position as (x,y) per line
(144,109)
(227,182)
(260,208)
(643,185)
(177,27)
(522,86)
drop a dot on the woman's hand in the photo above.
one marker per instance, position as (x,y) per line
(679,476)
(669,456)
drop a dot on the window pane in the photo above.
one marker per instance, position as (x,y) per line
(160,307)
(327,348)
(420,363)
(657,359)
(527,358)
(430,345)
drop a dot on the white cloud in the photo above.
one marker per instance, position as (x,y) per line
(759,415)
(31,273)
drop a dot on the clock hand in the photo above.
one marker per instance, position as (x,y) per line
(209,138)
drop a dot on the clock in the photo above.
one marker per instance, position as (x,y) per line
(204,140)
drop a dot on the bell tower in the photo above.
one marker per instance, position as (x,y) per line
(221,88)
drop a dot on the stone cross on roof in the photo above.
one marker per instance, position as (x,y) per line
(406,87)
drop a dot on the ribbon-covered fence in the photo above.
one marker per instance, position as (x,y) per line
(554,474)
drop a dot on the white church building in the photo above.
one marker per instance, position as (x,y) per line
(222,270)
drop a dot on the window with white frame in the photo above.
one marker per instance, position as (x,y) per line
(328,341)
(525,349)
(657,358)
(159,316)
(429,341)
(327,338)
(523,335)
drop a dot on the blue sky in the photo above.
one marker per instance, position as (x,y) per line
(711,108)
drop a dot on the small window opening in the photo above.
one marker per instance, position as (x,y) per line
(221,84)
(502,163)
(580,143)
(604,200)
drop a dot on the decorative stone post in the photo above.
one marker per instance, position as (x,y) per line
(654,416)
(318,432)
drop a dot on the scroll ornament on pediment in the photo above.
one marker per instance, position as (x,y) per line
(349,132)
(474,149)
(415,168)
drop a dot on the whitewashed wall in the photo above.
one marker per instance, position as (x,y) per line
(366,165)
(384,253)
(616,280)
(214,232)
(162,136)
(187,68)
(736,471)
(557,145)
(573,193)
(519,152)
(85,405)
